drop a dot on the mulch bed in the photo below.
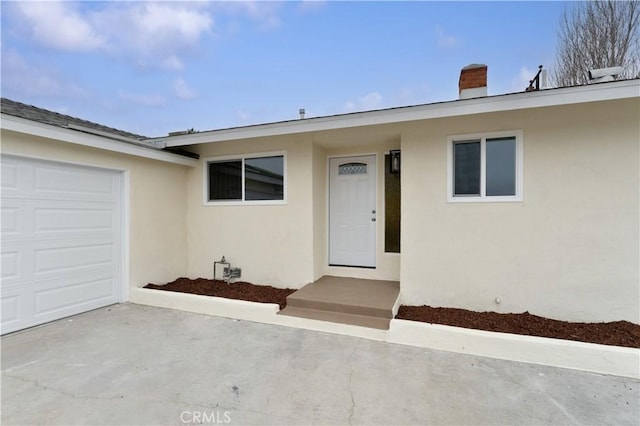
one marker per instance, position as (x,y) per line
(236,290)
(619,333)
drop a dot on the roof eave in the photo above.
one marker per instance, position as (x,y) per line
(29,127)
(515,101)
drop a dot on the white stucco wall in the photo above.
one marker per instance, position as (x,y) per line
(156,198)
(273,244)
(320,211)
(569,250)
(282,245)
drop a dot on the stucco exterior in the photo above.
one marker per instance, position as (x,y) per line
(157,246)
(568,250)
(273,244)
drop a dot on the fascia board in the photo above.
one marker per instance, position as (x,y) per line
(499,103)
(24,126)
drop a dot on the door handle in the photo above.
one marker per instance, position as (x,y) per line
(373,219)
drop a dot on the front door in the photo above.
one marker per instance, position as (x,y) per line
(352,211)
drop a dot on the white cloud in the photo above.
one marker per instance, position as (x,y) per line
(367,102)
(183,90)
(445,40)
(146,100)
(59,25)
(172,62)
(147,34)
(21,78)
(150,34)
(265,13)
(154,34)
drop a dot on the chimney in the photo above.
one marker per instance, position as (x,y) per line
(473,81)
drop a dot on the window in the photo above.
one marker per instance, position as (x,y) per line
(352,169)
(391,209)
(246,179)
(485,167)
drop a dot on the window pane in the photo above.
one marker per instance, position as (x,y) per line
(264,178)
(225,180)
(501,166)
(466,166)
(391,209)
(352,169)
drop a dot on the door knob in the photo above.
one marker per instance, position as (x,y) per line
(373,219)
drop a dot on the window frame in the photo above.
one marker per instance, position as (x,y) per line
(243,158)
(483,198)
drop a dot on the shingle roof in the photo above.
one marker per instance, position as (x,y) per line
(40,115)
(30,112)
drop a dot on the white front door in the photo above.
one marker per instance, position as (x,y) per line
(352,211)
(61,240)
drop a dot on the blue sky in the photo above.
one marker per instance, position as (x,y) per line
(155,67)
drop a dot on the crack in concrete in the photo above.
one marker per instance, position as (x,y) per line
(61,392)
(352,410)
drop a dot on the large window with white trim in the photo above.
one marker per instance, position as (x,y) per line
(245,179)
(485,167)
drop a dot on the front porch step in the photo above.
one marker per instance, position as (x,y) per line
(337,317)
(367,303)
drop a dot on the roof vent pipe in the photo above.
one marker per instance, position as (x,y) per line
(601,75)
(301,112)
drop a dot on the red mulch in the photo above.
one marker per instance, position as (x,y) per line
(236,290)
(618,333)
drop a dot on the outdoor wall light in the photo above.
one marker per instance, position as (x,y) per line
(394,161)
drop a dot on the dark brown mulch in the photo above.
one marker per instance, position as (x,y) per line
(618,333)
(236,290)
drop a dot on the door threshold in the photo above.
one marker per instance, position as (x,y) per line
(352,266)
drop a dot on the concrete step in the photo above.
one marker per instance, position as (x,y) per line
(367,303)
(338,307)
(337,317)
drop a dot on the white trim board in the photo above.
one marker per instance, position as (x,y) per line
(29,127)
(508,102)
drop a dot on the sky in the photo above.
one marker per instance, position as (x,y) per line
(156,67)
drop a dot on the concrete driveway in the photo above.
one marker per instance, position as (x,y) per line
(132,364)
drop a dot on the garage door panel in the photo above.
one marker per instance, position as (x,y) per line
(67,219)
(28,217)
(72,258)
(61,240)
(9,177)
(10,309)
(35,259)
(10,264)
(71,296)
(73,183)
(10,220)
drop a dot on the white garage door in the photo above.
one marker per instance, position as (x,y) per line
(61,240)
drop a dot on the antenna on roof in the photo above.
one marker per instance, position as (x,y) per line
(535,80)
